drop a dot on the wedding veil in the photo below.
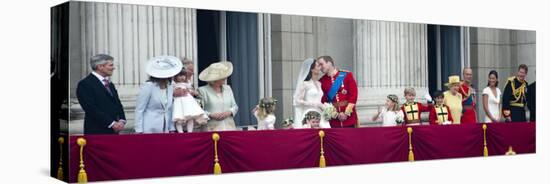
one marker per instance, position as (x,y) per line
(304,71)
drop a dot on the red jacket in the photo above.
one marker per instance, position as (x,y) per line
(414,115)
(346,96)
(434,118)
(469,114)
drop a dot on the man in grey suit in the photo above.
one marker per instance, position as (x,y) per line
(98,97)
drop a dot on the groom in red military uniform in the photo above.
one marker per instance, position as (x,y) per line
(340,89)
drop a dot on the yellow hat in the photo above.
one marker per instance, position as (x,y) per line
(453,79)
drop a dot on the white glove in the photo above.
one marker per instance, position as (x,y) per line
(428,97)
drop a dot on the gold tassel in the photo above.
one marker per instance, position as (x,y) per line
(510,151)
(61,140)
(411,154)
(322,161)
(82,176)
(485,150)
(217,166)
(60,173)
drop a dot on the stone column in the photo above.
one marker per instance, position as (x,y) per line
(295,38)
(388,57)
(132,34)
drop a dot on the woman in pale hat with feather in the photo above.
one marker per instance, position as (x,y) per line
(219,102)
(453,99)
(154,101)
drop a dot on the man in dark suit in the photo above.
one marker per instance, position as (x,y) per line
(532,101)
(99,99)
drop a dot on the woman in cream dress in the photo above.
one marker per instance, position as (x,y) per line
(453,99)
(491,99)
(219,102)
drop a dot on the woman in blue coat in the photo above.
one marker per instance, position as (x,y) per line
(154,103)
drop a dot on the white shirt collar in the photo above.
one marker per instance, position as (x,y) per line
(99,77)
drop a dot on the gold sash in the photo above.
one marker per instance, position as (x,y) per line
(411,109)
(441,113)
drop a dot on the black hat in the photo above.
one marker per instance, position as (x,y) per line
(438,94)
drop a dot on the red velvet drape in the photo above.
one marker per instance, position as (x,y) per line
(111,157)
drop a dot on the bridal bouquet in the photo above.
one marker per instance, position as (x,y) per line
(329,111)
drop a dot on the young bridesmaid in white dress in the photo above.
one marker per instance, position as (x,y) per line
(312,120)
(391,115)
(186,110)
(265,114)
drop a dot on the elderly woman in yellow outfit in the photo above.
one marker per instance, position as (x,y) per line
(219,102)
(453,99)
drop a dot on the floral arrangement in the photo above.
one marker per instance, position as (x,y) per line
(329,111)
(287,123)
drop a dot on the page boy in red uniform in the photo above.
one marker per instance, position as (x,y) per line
(412,109)
(440,114)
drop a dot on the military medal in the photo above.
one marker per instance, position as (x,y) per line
(344,91)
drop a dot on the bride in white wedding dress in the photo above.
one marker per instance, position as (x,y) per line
(308,94)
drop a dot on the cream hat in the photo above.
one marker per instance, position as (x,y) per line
(453,79)
(216,71)
(163,66)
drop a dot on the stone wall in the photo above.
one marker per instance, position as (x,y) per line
(295,38)
(389,57)
(501,50)
(132,34)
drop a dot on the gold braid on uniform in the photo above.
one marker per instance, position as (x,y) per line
(517,92)
(466,96)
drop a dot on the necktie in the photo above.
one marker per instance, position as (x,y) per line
(106,85)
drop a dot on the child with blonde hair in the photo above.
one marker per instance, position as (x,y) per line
(265,113)
(391,115)
(412,110)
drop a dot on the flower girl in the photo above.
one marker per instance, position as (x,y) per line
(312,120)
(186,110)
(392,114)
(265,114)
